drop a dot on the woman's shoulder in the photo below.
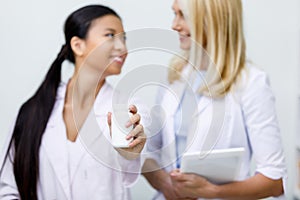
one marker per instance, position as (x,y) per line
(253,72)
(253,85)
(253,82)
(252,77)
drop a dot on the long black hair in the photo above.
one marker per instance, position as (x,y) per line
(34,113)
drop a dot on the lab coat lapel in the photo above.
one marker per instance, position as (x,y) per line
(54,143)
(97,142)
(169,148)
(94,134)
(91,135)
(170,102)
(203,103)
(214,119)
(176,90)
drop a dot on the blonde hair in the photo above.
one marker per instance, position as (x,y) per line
(216,28)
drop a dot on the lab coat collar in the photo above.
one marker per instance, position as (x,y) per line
(100,98)
(203,103)
(178,89)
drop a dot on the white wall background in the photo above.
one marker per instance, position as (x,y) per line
(31,36)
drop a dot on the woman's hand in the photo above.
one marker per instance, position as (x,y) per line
(192,185)
(255,187)
(165,185)
(160,180)
(168,191)
(137,133)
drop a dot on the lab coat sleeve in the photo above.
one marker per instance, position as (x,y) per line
(154,142)
(131,170)
(154,129)
(8,186)
(258,104)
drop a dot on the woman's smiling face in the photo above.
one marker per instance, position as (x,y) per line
(105,48)
(180,25)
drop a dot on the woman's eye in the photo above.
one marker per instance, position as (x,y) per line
(124,37)
(111,35)
(180,14)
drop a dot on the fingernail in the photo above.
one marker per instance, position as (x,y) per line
(131,145)
(128,124)
(128,137)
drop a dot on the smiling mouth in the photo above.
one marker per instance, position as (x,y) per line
(118,59)
(184,36)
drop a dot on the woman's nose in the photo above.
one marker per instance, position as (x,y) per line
(176,25)
(120,43)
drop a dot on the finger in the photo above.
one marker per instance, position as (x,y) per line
(175,171)
(190,178)
(109,118)
(133,109)
(138,130)
(177,176)
(195,178)
(134,120)
(138,140)
(109,121)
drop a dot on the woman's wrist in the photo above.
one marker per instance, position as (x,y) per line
(214,191)
(163,179)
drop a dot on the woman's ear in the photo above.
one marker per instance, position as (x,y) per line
(78,46)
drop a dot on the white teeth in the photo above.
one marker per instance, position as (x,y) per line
(118,59)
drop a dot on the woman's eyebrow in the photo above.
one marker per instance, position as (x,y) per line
(110,29)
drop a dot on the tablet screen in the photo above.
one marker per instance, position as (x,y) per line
(218,166)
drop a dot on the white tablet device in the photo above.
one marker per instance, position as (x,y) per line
(218,166)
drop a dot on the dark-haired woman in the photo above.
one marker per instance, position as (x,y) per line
(45,156)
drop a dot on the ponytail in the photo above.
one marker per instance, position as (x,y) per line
(30,126)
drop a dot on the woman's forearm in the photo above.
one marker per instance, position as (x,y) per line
(152,172)
(256,187)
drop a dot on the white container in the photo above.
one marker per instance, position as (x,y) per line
(120,117)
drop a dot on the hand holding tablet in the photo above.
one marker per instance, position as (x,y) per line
(218,166)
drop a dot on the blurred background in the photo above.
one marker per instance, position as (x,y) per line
(32,34)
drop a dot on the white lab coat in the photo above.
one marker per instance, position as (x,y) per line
(96,171)
(249,121)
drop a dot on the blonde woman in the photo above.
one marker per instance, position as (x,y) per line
(246,117)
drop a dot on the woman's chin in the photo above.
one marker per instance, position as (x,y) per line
(185,46)
(113,72)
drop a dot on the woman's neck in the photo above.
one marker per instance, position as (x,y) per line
(81,92)
(83,88)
